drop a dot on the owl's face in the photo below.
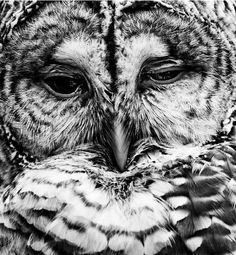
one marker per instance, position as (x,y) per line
(73,78)
(117,102)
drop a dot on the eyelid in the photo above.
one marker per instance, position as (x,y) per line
(56,74)
(62,70)
(166,69)
(161,64)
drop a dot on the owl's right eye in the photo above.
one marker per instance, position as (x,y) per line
(66,86)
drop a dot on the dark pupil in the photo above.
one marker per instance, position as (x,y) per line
(63,85)
(164,76)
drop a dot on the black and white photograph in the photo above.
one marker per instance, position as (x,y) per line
(118,127)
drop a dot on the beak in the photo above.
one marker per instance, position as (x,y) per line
(121,144)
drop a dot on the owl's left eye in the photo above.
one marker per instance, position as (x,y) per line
(164,76)
(158,73)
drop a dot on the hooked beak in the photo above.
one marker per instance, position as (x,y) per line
(120,147)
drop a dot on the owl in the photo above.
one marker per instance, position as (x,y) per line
(117,127)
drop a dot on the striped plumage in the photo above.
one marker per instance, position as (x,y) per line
(141,157)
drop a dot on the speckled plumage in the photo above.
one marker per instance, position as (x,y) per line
(141,157)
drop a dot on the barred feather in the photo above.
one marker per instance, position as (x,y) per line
(62,207)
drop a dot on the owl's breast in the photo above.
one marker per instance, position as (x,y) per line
(71,202)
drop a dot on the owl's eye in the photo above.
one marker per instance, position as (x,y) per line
(164,76)
(159,73)
(66,86)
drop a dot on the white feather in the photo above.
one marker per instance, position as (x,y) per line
(194,243)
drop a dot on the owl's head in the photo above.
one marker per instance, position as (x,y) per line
(123,104)
(127,78)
